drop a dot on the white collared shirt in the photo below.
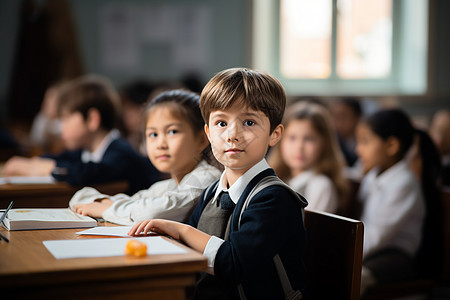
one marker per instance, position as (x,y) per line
(394,210)
(97,155)
(318,189)
(163,200)
(235,192)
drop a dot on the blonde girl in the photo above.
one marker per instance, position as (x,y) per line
(176,144)
(308,157)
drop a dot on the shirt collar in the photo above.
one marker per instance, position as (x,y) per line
(390,174)
(97,155)
(302,178)
(236,190)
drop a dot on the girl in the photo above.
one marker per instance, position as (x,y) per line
(309,159)
(393,206)
(176,144)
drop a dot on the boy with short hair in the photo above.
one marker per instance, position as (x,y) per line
(248,224)
(96,153)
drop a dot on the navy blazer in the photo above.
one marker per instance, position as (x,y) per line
(271,224)
(120,162)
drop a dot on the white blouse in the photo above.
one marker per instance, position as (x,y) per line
(393,210)
(318,190)
(164,199)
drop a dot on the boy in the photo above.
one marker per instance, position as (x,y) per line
(257,252)
(96,154)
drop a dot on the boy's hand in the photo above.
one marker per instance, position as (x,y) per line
(94,209)
(189,235)
(160,226)
(22,166)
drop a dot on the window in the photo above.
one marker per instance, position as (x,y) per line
(343,46)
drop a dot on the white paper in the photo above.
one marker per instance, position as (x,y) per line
(83,248)
(27,180)
(108,231)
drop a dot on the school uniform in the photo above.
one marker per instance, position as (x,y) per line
(393,216)
(165,199)
(243,257)
(318,189)
(113,160)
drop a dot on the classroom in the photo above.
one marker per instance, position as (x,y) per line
(148,120)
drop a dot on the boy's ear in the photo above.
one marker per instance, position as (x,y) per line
(392,146)
(207,132)
(93,119)
(276,135)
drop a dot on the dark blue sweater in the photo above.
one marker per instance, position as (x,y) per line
(120,162)
(271,224)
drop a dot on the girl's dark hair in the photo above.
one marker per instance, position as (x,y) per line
(392,123)
(184,104)
(429,255)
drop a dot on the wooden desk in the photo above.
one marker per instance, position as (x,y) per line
(29,271)
(48,195)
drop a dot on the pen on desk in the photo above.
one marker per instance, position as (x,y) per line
(4,238)
(5,213)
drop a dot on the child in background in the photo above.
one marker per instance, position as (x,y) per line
(176,144)
(134,96)
(308,158)
(393,206)
(346,113)
(45,134)
(96,154)
(254,241)
(440,133)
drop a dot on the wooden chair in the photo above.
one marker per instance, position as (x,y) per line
(334,255)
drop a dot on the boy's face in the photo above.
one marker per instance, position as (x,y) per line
(240,137)
(74,130)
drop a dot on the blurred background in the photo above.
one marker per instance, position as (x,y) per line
(387,53)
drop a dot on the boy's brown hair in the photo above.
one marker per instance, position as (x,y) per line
(249,88)
(89,92)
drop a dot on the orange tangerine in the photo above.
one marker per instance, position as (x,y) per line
(136,248)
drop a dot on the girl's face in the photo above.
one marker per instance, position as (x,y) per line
(172,145)
(371,149)
(301,147)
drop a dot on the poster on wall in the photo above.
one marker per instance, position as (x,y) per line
(118,45)
(129,30)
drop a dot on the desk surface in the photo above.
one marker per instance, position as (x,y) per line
(46,195)
(28,269)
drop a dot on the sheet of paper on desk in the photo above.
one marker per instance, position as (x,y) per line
(82,248)
(108,231)
(27,180)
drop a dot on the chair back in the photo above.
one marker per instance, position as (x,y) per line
(445,198)
(333,255)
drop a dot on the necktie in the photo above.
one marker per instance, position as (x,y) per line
(226,202)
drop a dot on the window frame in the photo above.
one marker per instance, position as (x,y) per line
(408,74)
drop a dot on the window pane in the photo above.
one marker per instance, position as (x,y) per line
(305,38)
(364,38)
